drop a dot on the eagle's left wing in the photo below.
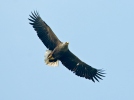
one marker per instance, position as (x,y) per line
(73,63)
(44,32)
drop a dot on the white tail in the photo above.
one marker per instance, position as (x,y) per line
(52,64)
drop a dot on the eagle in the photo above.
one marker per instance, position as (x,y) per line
(59,51)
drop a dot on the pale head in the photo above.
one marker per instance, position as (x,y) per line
(65,45)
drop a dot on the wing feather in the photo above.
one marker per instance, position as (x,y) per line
(44,32)
(73,63)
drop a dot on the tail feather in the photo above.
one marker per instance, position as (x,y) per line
(53,63)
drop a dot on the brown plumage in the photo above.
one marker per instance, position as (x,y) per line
(59,51)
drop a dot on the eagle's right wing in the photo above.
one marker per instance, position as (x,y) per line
(73,63)
(44,32)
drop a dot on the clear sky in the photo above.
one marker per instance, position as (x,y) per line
(100,32)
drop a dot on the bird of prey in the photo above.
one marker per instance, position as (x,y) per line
(59,51)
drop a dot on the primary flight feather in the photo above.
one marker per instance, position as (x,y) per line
(59,51)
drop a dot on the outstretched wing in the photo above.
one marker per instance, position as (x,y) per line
(73,63)
(44,32)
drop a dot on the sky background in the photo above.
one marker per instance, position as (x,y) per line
(100,32)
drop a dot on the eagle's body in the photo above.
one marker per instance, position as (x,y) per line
(59,51)
(55,55)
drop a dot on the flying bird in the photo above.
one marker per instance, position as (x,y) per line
(59,51)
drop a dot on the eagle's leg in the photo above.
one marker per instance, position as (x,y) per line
(50,57)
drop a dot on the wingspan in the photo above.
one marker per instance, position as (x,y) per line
(73,63)
(44,32)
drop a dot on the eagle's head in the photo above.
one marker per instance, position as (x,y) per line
(65,45)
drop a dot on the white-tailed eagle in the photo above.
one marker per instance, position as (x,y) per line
(59,51)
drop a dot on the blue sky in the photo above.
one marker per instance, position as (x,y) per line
(100,32)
